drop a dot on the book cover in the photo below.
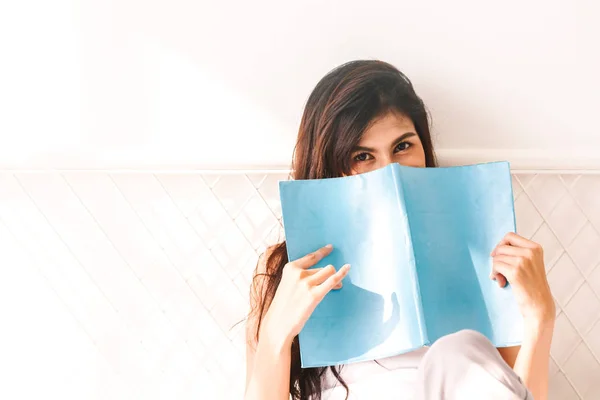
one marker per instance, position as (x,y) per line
(418,240)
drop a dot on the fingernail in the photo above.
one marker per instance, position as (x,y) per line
(329,246)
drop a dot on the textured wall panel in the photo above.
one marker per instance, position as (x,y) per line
(148,276)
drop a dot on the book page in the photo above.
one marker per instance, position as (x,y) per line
(457,215)
(376,314)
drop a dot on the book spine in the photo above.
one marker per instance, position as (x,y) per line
(396,173)
(512,196)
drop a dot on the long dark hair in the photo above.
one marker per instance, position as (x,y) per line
(339,110)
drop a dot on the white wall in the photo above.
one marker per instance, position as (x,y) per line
(133,83)
(130,285)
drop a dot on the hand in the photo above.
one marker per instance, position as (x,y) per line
(298,294)
(521,262)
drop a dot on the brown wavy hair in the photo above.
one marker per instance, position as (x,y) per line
(338,111)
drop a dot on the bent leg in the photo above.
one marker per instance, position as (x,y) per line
(466,365)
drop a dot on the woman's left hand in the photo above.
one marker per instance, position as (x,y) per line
(521,262)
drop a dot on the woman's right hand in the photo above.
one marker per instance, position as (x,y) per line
(298,294)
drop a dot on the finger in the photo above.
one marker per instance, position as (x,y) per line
(501,281)
(338,286)
(513,239)
(311,271)
(321,275)
(505,269)
(510,251)
(312,258)
(499,278)
(331,282)
(510,260)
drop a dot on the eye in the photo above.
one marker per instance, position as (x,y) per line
(362,157)
(402,146)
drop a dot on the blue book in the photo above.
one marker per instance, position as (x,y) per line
(419,242)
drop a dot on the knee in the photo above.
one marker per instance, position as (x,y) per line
(460,338)
(462,344)
(467,362)
(465,336)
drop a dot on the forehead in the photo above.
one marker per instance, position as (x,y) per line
(387,128)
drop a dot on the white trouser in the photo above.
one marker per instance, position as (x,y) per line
(466,365)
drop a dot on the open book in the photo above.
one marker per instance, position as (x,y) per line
(419,242)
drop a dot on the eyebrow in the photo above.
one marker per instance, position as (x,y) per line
(395,142)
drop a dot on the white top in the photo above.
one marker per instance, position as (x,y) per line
(394,379)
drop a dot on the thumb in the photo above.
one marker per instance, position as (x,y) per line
(502,273)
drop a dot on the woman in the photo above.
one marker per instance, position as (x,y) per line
(362,116)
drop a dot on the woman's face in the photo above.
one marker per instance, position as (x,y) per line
(392,138)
